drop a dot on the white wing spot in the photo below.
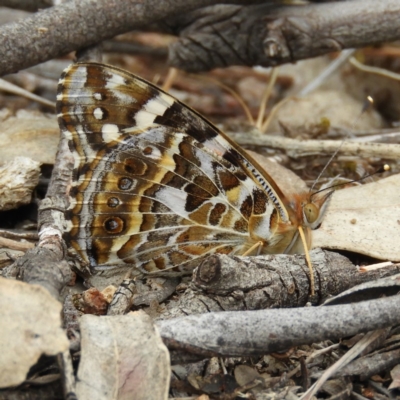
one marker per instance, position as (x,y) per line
(115,81)
(144,118)
(110,132)
(120,91)
(153,108)
(98,96)
(98,113)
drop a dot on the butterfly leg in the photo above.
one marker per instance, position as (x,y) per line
(258,245)
(307,254)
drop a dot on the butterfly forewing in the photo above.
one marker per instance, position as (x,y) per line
(155,185)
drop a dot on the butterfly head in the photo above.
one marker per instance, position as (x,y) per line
(306,210)
(313,208)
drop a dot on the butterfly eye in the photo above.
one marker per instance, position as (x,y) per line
(311,212)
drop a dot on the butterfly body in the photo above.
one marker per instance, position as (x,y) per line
(156,187)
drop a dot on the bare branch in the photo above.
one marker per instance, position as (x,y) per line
(215,36)
(224,35)
(300,148)
(372,364)
(27,5)
(253,333)
(223,283)
(78,24)
(45,264)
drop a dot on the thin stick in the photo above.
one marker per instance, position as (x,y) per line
(361,345)
(265,97)
(16,245)
(332,67)
(11,88)
(374,70)
(313,355)
(169,80)
(274,109)
(301,148)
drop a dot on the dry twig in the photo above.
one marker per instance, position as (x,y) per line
(300,148)
(219,36)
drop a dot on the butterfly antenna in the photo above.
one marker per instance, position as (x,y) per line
(367,104)
(383,168)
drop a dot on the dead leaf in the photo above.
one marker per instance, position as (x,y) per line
(338,107)
(123,357)
(244,374)
(18,178)
(364,219)
(29,134)
(395,374)
(7,256)
(30,326)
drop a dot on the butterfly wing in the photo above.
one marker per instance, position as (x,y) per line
(155,185)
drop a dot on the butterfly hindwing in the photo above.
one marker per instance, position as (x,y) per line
(155,185)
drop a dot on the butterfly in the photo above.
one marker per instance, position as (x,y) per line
(156,187)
